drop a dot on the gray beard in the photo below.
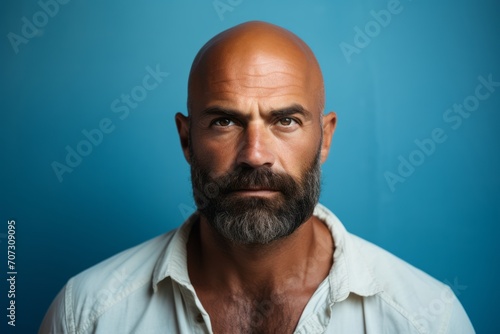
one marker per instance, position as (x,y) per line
(256,220)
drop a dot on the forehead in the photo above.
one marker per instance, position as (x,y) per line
(238,79)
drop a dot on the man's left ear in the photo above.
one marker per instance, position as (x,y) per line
(329,123)
(182,123)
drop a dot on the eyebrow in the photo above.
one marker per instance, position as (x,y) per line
(282,112)
(292,110)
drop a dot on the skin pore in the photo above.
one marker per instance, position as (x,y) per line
(255,101)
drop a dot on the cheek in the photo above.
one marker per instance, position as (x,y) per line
(296,154)
(214,154)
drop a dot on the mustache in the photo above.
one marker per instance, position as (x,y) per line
(256,178)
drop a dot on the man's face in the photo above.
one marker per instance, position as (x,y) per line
(254,145)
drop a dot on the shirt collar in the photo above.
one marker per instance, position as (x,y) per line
(350,271)
(173,261)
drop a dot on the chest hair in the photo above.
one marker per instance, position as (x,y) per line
(254,315)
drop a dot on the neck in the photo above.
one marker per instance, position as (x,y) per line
(300,260)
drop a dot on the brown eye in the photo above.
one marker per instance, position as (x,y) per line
(223,122)
(286,121)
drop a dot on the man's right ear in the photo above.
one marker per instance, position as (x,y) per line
(182,123)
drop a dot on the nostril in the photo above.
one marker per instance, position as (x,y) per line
(254,158)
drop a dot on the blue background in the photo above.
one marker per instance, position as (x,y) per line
(135,184)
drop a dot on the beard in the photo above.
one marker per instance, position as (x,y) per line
(253,219)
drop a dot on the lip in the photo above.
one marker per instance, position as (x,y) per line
(255,192)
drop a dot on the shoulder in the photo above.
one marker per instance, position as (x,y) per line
(121,273)
(428,305)
(91,293)
(395,275)
(393,291)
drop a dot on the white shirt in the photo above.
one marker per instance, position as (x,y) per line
(146,289)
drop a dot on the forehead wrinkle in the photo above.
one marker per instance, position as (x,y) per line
(254,71)
(273,80)
(229,86)
(268,92)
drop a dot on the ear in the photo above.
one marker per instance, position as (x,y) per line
(182,123)
(329,123)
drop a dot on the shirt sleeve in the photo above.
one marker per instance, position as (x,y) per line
(56,320)
(459,321)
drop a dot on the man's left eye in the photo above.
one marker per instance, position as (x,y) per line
(287,121)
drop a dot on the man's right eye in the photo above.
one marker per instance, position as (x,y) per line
(223,122)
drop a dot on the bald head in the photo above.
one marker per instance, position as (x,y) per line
(254,50)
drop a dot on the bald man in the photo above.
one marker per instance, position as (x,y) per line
(260,255)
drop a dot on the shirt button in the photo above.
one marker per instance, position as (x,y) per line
(199,318)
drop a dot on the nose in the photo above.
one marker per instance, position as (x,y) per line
(256,147)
